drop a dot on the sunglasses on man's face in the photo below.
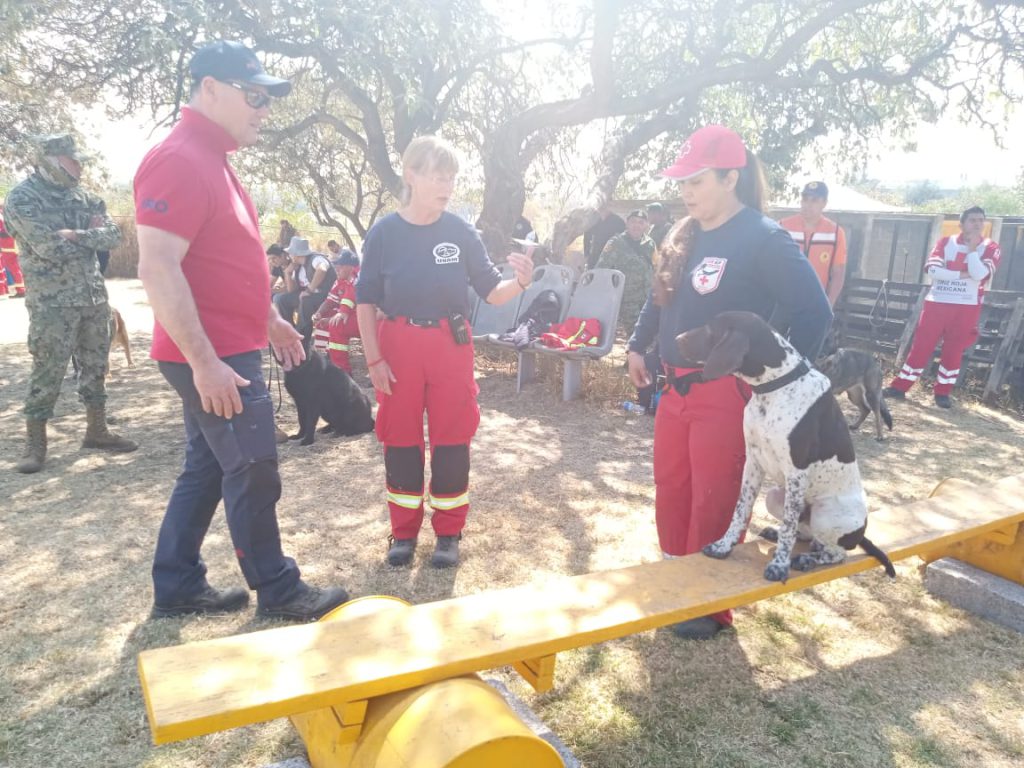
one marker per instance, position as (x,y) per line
(255,99)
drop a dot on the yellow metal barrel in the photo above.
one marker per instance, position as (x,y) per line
(457,723)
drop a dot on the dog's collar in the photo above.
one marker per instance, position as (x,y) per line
(786,378)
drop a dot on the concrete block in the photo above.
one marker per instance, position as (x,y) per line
(976,591)
(526,714)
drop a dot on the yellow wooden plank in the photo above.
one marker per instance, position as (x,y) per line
(1005,560)
(219,684)
(351,713)
(1005,536)
(539,673)
(327,743)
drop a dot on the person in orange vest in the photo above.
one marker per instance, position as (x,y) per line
(821,240)
(9,263)
(335,324)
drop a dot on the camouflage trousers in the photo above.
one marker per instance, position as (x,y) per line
(54,334)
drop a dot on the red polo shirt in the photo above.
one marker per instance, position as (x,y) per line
(186,186)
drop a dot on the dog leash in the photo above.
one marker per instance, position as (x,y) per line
(883,299)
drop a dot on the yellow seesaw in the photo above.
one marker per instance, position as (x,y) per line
(385,684)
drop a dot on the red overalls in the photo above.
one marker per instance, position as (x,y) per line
(334,338)
(9,262)
(946,318)
(433,375)
(699,452)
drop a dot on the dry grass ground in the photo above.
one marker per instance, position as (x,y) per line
(863,672)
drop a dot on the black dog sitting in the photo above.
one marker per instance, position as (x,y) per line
(322,390)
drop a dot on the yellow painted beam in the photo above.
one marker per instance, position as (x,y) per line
(539,673)
(219,684)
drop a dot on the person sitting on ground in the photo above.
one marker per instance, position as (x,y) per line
(278,260)
(960,269)
(308,279)
(335,323)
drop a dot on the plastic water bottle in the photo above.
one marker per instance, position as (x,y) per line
(631,407)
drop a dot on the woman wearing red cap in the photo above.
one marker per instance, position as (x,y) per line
(725,255)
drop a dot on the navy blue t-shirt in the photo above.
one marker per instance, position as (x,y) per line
(749,263)
(421,270)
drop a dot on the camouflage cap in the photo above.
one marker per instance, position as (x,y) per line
(58,144)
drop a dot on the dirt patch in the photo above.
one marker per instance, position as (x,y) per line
(861,672)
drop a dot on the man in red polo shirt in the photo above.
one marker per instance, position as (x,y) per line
(201,261)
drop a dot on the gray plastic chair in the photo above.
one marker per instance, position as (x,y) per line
(490,318)
(547,277)
(598,295)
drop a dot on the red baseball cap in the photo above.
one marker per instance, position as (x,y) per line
(713,146)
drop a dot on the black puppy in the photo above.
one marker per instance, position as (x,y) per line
(322,390)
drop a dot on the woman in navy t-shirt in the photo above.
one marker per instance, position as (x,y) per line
(416,264)
(726,255)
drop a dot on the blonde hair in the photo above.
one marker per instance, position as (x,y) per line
(427,154)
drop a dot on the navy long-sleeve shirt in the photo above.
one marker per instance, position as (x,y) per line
(748,263)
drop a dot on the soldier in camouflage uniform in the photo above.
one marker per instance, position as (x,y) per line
(632,253)
(59,227)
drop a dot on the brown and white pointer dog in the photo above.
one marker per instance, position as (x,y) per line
(796,437)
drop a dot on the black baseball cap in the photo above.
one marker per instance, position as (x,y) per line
(815,189)
(230,60)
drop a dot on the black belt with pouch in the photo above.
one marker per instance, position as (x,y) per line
(682,384)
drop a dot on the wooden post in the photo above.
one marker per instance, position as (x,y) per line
(908,329)
(1004,356)
(864,247)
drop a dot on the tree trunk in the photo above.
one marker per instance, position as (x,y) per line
(613,163)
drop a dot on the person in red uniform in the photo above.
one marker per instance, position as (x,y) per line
(9,263)
(335,323)
(821,240)
(725,255)
(415,267)
(960,268)
(199,234)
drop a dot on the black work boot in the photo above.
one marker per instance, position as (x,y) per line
(98,436)
(307,604)
(891,393)
(400,551)
(35,447)
(208,601)
(446,552)
(943,401)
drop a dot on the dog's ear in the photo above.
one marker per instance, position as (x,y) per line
(727,355)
